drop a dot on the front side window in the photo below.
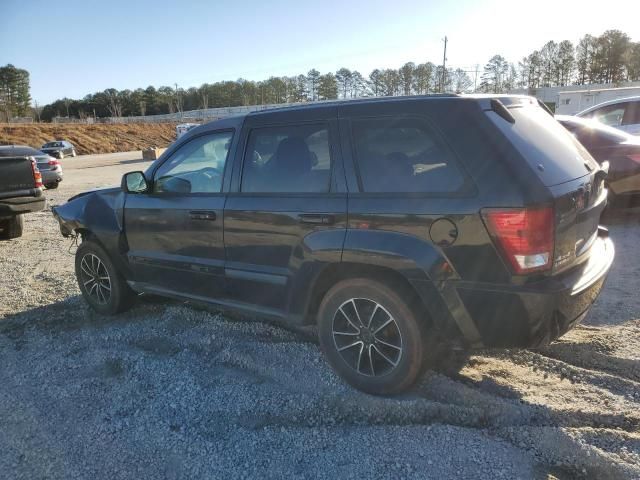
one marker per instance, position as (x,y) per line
(287,159)
(403,155)
(196,167)
(610,115)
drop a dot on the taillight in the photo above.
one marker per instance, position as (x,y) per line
(635,158)
(523,235)
(53,162)
(37,176)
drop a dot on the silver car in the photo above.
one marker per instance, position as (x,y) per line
(621,113)
(50,167)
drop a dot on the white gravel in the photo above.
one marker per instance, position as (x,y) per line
(170,390)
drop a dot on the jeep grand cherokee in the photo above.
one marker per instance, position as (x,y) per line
(393,224)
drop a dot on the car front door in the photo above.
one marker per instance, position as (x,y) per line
(287,216)
(174,232)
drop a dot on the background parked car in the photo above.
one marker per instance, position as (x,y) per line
(20,189)
(606,143)
(59,149)
(622,113)
(50,167)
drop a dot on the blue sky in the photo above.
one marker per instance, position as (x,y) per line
(72,47)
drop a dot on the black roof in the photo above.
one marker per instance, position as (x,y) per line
(350,101)
(237,120)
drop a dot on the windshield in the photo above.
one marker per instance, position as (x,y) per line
(52,144)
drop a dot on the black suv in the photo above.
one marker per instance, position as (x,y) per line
(393,224)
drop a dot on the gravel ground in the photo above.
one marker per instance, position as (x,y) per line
(170,390)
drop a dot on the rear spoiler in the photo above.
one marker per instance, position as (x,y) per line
(498,107)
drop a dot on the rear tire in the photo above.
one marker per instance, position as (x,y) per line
(372,337)
(102,286)
(51,186)
(12,227)
(73,152)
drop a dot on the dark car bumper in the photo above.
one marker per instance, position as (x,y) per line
(14,206)
(534,315)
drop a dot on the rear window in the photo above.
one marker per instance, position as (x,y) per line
(403,155)
(550,150)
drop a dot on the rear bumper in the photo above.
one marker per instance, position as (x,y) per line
(534,315)
(14,206)
(51,176)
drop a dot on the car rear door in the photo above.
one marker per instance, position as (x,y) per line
(174,232)
(287,213)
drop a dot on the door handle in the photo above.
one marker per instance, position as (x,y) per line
(202,215)
(317,218)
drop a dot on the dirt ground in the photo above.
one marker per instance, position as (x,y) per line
(91,139)
(172,390)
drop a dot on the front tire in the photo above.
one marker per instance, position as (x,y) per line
(102,286)
(372,337)
(73,152)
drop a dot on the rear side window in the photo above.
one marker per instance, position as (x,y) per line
(403,155)
(287,159)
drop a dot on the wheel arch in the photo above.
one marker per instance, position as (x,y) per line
(337,272)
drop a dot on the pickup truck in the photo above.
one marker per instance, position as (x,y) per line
(20,191)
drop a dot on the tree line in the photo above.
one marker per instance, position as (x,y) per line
(312,86)
(609,58)
(15,100)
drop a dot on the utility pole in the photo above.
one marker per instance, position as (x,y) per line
(475,80)
(444,65)
(178,102)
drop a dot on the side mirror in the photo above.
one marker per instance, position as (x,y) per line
(134,182)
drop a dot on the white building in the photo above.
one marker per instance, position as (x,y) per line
(574,101)
(571,99)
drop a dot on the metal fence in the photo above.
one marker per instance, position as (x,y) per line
(208,114)
(21,120)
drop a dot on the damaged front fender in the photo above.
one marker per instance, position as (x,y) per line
(97,211)
(100,214)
